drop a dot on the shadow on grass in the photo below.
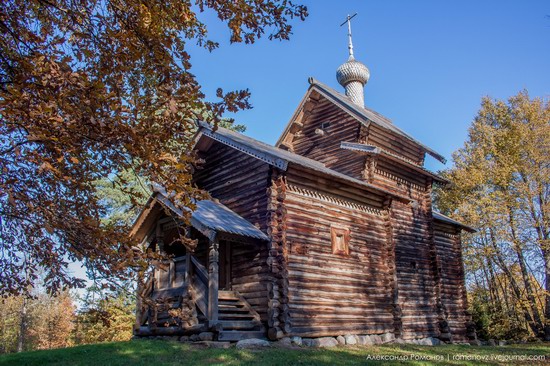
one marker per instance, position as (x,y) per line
(146,352)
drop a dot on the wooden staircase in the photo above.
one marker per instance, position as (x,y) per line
(237,318)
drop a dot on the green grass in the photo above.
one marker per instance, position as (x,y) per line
(156,353)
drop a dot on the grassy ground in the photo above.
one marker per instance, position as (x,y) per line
(156,353)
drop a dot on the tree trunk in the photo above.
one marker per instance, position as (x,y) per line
(525,276)
(546,256)
(516,290)
(22,326)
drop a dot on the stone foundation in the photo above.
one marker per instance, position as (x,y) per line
(322,342)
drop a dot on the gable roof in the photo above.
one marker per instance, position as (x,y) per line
(279,157)
(440,217)
(362,114)
(210,218)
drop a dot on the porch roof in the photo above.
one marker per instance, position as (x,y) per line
(210,218)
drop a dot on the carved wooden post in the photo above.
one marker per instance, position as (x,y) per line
(213,282)
(160,238)
(139,306)
(188,270)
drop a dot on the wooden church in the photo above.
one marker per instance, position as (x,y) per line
(329,232)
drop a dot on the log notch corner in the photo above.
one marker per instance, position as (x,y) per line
(396,308)
(278,320)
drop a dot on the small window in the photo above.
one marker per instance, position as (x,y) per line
(340,240)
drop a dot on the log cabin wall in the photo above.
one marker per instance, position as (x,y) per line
(249,274)
(340,126)
(201,250)
(331,294)
(453,290)
(399,179)
(395,144)
(416,272)
(240,182)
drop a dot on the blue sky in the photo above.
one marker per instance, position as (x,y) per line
(431,62)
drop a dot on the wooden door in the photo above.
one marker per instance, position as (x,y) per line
(225,265)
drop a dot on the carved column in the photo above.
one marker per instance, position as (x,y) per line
(213,282)
(159,234)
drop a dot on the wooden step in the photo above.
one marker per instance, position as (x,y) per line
(230,303)
(235,335)
(228,295)
(230,315)
(226,309)
(239,324)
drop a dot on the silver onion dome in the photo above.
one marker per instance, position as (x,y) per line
(352,70)
(353,75)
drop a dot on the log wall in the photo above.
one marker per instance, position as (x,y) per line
(331,294)
(453,291)
(416,281)
(403,273)
(395,144)
(249,274)
(326,148)
(238,180)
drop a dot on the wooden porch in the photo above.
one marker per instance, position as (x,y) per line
(192,293)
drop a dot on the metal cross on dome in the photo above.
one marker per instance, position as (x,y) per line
(350,44)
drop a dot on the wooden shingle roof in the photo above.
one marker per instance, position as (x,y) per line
(210,218)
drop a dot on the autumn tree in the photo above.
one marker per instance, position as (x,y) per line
(10,324)
(89,90)
(501,184)
(47,321)
(51,321)
(105,317)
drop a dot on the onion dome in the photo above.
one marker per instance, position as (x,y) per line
(353,75)
(352,70)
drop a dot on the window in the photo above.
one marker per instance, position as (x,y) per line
(325,125)
(340,240)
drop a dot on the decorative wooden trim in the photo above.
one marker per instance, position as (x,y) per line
(399,180)
(213,285)
(305,192)
(173,224)
(448,235)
